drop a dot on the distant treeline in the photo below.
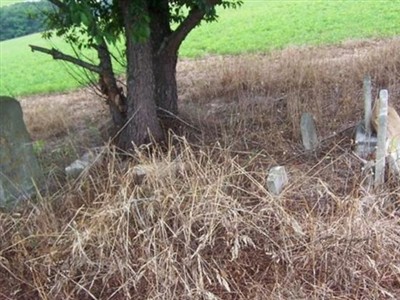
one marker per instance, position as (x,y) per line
(23,18)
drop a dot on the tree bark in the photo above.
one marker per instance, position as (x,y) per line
(164,60)
(166,44)
(108,84)
(166,85)
(142,123)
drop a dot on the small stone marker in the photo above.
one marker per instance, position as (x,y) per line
(77,167)
(276,180)
(308,132)
(382,134)
(19,168)
(365,143)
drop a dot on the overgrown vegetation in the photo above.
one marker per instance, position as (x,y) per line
(258,26)
(23,18)
(209,229)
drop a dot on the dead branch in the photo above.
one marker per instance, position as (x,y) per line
(65,57)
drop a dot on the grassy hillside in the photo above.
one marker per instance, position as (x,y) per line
(265,25)
(9,2)
(25,72)
(258,26)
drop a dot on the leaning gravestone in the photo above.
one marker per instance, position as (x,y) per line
(19,168)
(366,141)
(308,132)
(382,137)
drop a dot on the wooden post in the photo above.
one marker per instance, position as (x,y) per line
(382,134)
(367,105)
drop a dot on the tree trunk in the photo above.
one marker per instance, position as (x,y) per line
(108,84)
(164,60)
(166,86)
(142,123)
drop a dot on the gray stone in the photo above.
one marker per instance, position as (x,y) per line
(276,180)
(382,136)
(367,104)
(393,155)
(365,143)
(394,162)
(308,132)
(20,173)
(77,167)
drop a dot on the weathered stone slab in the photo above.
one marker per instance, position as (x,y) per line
(382,138)
(393,149)
(393,141)
(19,168)
(391,146)
(365,142)
(308,132)
(276,180)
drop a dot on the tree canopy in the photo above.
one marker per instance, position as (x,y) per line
(103,18)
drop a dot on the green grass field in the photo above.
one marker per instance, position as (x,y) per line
(258,26)
(25,72)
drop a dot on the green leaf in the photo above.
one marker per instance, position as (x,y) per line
(85,19)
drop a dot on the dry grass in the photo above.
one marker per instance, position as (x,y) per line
(324,81)
(64,126)
(210,230)
(52,116)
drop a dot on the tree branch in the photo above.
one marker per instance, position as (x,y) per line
(59,55)
(59,4)
(179,34)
